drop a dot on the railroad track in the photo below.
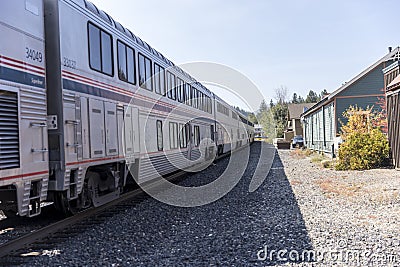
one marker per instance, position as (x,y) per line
(13,252)
(18,251)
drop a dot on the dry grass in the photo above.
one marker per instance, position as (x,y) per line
(301,153)
(317,158)
(295,182)
(339,188)
(298,153)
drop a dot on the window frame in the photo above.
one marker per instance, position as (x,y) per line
(101,70)
(157,79)
(159,127)
(196,135)
(188,90)
(145,72)
(174,137)
(171,88)
(194,97)
(183,133)
(180,90)
(126,61)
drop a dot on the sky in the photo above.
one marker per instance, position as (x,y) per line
(302,45)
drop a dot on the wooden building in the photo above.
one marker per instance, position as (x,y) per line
(392,89)
(322,123)
(293,124)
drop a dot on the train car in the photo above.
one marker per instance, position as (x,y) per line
(232,128)
(24,169)
(115,112)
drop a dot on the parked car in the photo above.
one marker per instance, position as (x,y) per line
(297,141)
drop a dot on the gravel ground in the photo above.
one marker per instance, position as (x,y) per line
(353,214)
(346,217)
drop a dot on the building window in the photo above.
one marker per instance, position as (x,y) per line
(100,50)
(160,138)
(159,79)
(196,136)
(126,63)
(171,86)
(173,135)
(145,73)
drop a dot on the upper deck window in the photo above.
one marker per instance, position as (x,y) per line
(171,86)
(126,63)
(145,72)
(100,50)
(159,79)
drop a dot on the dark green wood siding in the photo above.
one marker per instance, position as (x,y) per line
(363,102)
(370,84)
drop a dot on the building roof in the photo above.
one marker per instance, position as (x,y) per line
(393,55)
(295,110)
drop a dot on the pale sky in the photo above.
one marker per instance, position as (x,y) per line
(303,44)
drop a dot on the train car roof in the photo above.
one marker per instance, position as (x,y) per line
(86,4)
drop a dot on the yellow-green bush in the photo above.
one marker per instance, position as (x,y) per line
(365,146)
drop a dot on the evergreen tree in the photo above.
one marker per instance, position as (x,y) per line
(312,97)
(295,99)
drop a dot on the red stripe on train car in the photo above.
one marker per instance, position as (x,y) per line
(23,175)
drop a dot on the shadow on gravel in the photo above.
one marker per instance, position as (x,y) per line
(262,228)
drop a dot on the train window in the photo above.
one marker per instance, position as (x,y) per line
(183,135)
(202,101)
(194,97)
(173,135)
(171,86)
(130,55)
(196,136)
(126,63)
(159,77)
(180,90)
(198,100)
(106,53)
(212,133)
(100,50)
(160,139)
(188,89)
(145,73)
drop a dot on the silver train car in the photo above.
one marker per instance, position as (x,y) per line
(87,108)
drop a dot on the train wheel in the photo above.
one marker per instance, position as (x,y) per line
(61,203)
(84,200)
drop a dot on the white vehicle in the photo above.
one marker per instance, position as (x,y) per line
(92,108)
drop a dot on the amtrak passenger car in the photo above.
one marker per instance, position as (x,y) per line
(87,107)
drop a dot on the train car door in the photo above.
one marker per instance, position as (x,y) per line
(85,127)
(71,125)
(128,131)
(136,130)
(120,121)
(97,129)
(110,110)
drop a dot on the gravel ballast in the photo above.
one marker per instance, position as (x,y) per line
(297,211)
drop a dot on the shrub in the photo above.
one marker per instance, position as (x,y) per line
(365,146)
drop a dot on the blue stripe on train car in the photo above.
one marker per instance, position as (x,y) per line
(22,77)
